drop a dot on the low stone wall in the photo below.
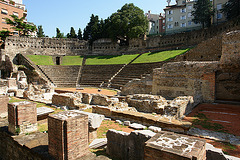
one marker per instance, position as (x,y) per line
(145,119)
(128,146)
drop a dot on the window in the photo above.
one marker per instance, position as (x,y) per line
(183,24)
(176,24)
(189,14)
(4,11)
(170,19)
(170,12)
(15,14)
(189,23)
(219,6)
(219,16)
(190,7)
(170,26)
(163,27)
(183,2)
(183,10)
(163,21)
(183,17)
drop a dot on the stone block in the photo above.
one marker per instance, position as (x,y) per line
(12,83)
(169,145)
(22,117)
(126,123)
(137,126)
(86,98)
(67,135)
(98,143)
(155,129)
(102,100)
(94,120)
(4,104)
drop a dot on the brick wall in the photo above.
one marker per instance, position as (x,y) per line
(4,104)
(68,135)
(22,115)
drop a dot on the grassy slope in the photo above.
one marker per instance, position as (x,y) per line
(72,60)
(108,60)
(159,56)
(41,59)
(105,60)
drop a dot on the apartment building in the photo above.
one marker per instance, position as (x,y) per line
(156,23)
(179,16)
(11,7)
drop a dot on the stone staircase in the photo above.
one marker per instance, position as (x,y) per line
(62,76)
(133,71)
(95,75)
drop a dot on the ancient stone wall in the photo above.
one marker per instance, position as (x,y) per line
(195,79)
(228,76)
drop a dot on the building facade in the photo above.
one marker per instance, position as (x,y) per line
(11,7)
(179,16)
(156,23)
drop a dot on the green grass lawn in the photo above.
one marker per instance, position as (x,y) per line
(159,56)
(41,59)
(72,60)
(105,60)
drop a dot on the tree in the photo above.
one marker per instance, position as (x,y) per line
(91,32)
(23,28)
(128,22)
(59,34)
(40,32)
(202,12)
(231,9)
(72,33)
(3,36)
(79,36)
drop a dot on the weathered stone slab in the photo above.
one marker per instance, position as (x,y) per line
(44,110)
(155,129)
(137,126)
(98,143)
(169,145)
(94,120)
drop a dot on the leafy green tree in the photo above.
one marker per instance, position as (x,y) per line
(202,12)
(91,32)
(40,32)
(23,28)
(128,22)
(79,36)
(59,34)
(231,9)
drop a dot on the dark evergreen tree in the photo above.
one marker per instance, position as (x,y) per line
(59,34)
(72,33)
(202,12)
(231,9)
(40,32)
(91,32)
(79,36)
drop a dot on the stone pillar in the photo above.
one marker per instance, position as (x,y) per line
(67,135)
(169,145)
(22,117)
(4,105)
